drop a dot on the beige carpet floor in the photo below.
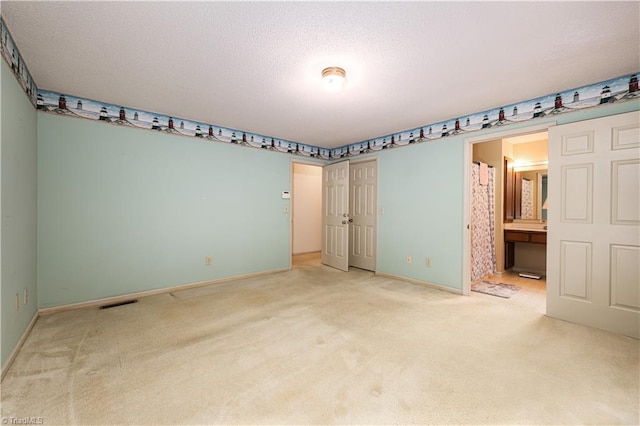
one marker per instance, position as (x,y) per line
(317,346)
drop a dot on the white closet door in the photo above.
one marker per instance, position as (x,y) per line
(593,245)
(363,209)
(335,215)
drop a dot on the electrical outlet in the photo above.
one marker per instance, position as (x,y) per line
(208,260)
(409,260)
(427,262)
(17,301)
(26,296)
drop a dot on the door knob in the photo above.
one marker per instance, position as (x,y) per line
(344,222)
(350,220)
(345,214)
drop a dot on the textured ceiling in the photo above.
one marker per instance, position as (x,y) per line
(256,66)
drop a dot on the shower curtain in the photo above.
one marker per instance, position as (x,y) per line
(527,199)
(483,247)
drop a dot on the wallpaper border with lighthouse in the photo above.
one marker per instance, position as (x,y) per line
(57,103)
(10,53)
(621,89)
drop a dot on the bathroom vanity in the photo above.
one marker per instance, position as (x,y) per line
(525,248)
(535,255)
(524,221)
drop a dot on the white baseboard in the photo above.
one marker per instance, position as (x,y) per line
(129,296)
(118,299)
(421,283)
(15,351)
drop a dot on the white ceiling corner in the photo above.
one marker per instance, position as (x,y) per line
(256,66)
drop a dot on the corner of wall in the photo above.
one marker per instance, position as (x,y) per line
(18,210)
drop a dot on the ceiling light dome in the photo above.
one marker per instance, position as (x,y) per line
(333,79)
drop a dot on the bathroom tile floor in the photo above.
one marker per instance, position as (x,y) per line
(531,296)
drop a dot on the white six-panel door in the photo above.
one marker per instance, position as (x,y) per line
(335,215)
(593,245)
(363,213)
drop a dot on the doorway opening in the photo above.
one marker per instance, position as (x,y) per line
(306,213)
(349,214)
(515,222)
(342,233)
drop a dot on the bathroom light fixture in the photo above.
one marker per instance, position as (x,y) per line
(333,79)
(522,164)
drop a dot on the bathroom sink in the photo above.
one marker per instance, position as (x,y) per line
(532,227)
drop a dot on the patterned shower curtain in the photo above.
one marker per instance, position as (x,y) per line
(527,199)
(483,247)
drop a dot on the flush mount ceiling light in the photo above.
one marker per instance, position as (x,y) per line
(333,79)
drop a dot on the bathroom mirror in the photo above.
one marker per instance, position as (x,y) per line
(530,194)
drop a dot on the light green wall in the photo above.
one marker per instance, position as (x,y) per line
(122,210)
(2,299)
(18,195)
(421,190)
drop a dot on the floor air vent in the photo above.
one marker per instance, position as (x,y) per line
(113,305)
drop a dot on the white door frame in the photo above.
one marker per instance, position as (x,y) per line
(466,218)
(297,161)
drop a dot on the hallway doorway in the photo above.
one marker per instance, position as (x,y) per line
(361,212)
(306,208)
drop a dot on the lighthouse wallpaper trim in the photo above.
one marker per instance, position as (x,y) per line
(73,106)
(619,89)
(9,51)
(615,90)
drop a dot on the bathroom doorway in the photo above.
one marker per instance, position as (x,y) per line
(527,153)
